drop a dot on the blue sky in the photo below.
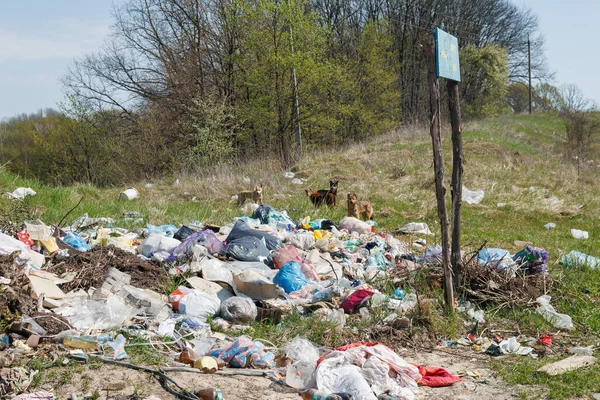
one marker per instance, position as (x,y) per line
(39,39)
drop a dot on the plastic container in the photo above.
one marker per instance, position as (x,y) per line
(128,194)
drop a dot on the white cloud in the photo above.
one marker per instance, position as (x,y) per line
(57,39)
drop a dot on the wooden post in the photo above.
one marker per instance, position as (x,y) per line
(457,173)
(438,166)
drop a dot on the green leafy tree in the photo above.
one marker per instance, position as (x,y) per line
(484,79)
(213,127)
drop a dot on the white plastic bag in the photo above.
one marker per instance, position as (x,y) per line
(415,228)
(98,314)
(578,234)
(337,318)
(304,357)
(472,196)
(304,241)
(300,349)
(300,375)
(199,305)
(21,193)
(238,310)
(202,346)
(560,321)
(9,245)
(511,346)
(476,315)
(352,224)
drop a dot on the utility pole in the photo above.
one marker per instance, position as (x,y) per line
(296,102)
(529,68)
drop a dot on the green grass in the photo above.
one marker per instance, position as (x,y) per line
(573,384)
(504,156)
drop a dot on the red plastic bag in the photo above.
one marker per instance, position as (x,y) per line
(353,301)
(544,339)
(436,377)
(177,295)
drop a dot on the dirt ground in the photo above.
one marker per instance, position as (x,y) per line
(140,385)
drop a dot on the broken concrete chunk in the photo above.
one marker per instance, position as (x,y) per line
(568,364)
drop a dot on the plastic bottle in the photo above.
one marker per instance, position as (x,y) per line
(188,356)
(78,342)
(209,394)
(100,339)
(313,394)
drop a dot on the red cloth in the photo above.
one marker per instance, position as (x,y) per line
(355,299)
(436,376)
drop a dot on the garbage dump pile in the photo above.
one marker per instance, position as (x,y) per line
(83,288)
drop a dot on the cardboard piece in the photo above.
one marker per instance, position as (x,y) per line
(209,287)
(46,286)
(36,259)
(255,286)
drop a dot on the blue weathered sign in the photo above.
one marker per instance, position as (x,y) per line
(446,60)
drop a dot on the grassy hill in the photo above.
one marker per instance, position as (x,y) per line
(517,160)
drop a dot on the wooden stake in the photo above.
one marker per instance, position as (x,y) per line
(457,173)
(438,166)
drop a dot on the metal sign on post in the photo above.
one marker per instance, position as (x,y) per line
(441,52)
(447,62)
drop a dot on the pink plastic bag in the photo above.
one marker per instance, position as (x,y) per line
(290,253)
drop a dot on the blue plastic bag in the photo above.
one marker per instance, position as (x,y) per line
(290,277)
(165,230)
(75,241)
(492,256)
(578,259)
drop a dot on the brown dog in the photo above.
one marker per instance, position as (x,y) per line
(315,197)
(356,208)
(254,195)
(330,196)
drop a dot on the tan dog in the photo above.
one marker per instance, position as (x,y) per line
(356,208)
(254,195)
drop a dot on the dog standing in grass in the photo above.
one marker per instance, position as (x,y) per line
(254,195)
(327,196)
(356,208)
(330,196)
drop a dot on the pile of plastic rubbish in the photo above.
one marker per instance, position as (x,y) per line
(255,268)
